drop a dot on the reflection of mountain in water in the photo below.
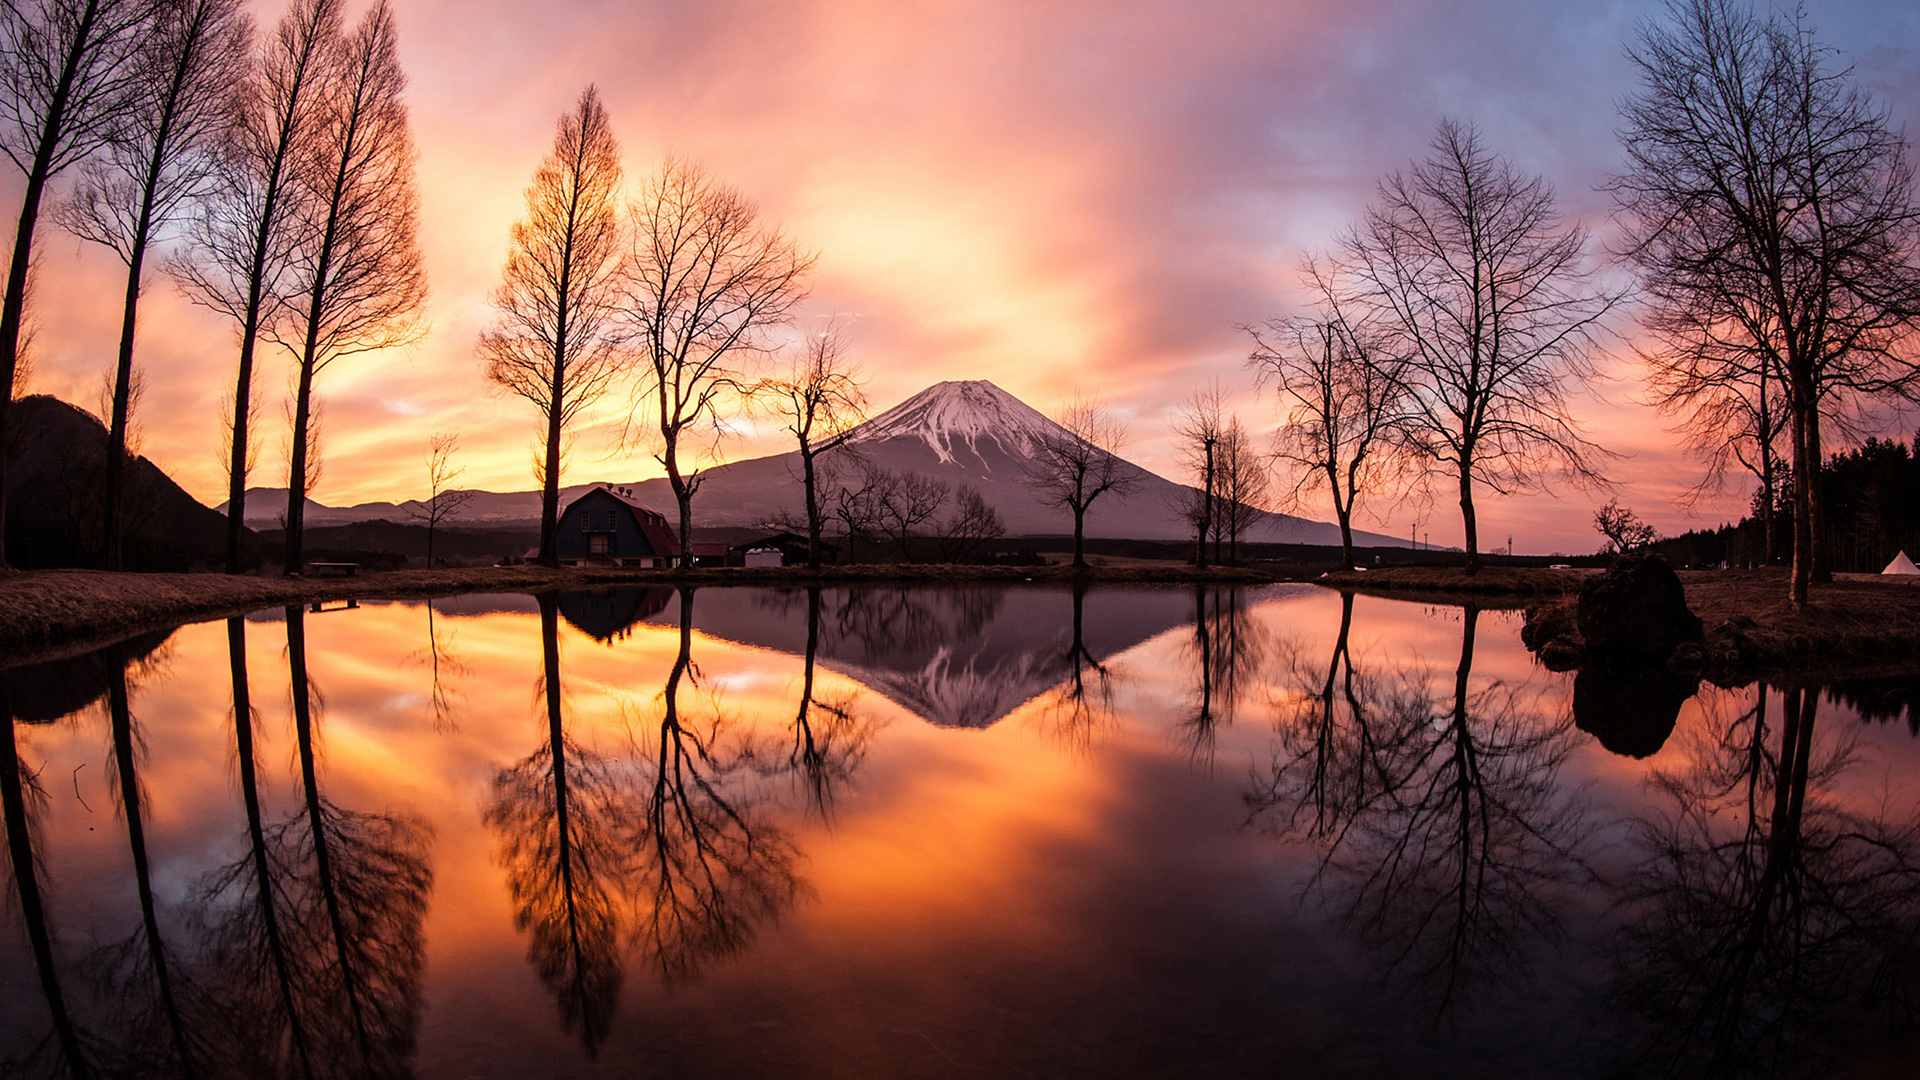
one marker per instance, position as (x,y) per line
(954,657)
(48,690)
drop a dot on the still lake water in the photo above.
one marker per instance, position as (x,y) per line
(902,833)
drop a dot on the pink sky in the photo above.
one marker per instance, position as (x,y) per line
(1061,196)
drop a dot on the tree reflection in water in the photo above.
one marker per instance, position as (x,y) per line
(21,800)
(139,971)
(555,813)
(829,738)
(1445,836)
(1228,645)
(1767,915)
(1081,703)
(318,943)
(708,868)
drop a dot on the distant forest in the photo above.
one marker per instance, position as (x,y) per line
(1871,499)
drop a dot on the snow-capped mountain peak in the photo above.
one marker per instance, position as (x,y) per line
(949,415)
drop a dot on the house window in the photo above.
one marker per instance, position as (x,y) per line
(597,543)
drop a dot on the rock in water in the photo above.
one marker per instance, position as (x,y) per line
(1637,610)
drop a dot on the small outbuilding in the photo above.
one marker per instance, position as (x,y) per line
(608,526)
(1901,565)
(790,547)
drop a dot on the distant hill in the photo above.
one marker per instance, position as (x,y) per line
(56,468)
(958,432)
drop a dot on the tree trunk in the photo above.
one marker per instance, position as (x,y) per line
(116,461)
(13,310)
(813,506)
(550,483)
(1802,512)
(1468,522)
(1816,506)
(294,537)
(1079,536)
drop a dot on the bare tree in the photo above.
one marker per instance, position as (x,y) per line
(1076,465)
(358,270)
(1624,530)
(1241,483)
(1200,425)
(442,503)
(705,282)
(243,238)
(903,502)
(1768,204)
(970,525)
(1465,262)
(189,63)
(1339,384)
(64,83)
(555,342)
(819,401)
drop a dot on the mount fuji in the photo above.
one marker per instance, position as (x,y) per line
(962,432)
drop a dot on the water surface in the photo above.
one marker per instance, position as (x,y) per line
(995,832)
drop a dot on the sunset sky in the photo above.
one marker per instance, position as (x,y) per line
(1057,196)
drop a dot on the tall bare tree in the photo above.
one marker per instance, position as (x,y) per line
(242,241)
(1340,385)
(1769,206)
(1200,425)
(705,283)
(442,502)
(191,58)
(1241,484)
(1073,467)
(361,285)
(556,341)
(65,82)
(1465,262)
(819,401)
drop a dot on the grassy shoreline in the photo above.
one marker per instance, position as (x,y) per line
(50,613)
(1858,622)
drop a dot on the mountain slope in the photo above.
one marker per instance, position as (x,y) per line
(56,474)
(967,432)
(972,433)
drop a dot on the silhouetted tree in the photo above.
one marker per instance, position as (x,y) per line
(1768,204)
(1071,468)
(65,86)
(555,342)
(820,402)
(1200,425)
(185,72)
(441,502)
(1341,390)
(1464,262)
(703,285)
(1240,477)
(970,524)
(358,281)
(243,240)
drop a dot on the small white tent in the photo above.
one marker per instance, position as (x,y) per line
(1901,565)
